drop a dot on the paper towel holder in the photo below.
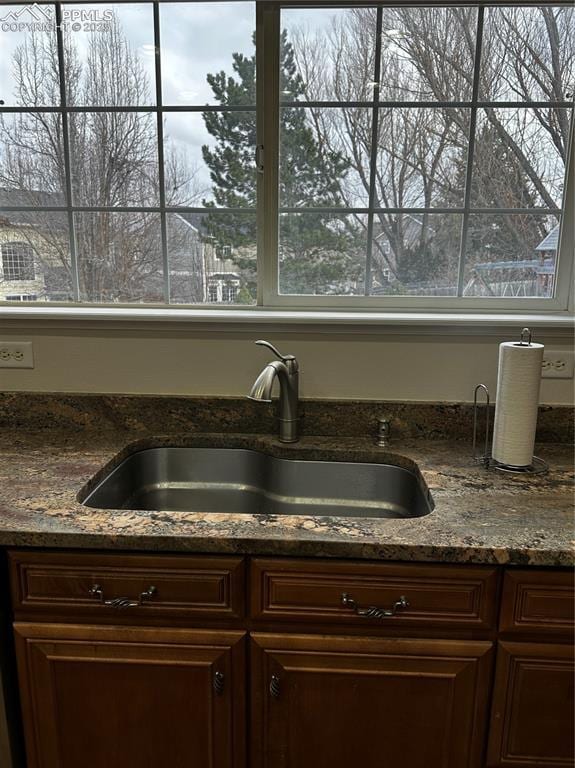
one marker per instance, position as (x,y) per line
(537,466)
(525,334)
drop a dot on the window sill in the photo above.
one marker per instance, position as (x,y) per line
(277,320)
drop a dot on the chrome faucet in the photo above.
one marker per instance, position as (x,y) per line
(286,370)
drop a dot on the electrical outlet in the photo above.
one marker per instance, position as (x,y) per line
(558,364)
(16,354)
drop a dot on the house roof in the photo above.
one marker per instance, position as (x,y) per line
(194,221)
(29,201)
(412,225)
(550,242)
(28,198)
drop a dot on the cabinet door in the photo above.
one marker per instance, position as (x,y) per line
(336,702)
(111,697)
(533,711)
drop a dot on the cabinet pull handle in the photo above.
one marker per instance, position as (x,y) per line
(371,611)
(219,681)
(121,602)
(275,687)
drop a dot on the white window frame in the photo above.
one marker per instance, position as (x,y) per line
(271,307)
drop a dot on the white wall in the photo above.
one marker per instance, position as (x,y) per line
(349,366)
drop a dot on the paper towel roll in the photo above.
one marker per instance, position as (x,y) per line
(517,401)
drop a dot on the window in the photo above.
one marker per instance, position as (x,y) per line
(406,157)
(229,293)
(432,145)
(17,262)
(22,297)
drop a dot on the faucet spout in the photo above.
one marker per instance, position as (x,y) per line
(287,373)
(261,390)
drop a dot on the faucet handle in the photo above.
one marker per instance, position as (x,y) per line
(283,358)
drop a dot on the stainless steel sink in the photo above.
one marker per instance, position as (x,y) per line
(232,480)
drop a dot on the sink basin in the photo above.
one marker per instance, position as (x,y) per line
(234,480)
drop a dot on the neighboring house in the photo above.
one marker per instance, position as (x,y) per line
(30,269)
(32,248)
(199,266)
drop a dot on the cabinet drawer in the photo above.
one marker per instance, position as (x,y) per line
(127,585)
(540,602)
(311,591)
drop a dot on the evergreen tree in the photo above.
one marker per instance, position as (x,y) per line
(317,250)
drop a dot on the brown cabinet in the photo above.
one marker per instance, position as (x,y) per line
(533,714)
(350,663)
(332,702)
(97,697)
(533,701)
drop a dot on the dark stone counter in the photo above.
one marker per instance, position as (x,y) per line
(479,517)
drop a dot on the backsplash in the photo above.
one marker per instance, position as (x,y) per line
(168,415)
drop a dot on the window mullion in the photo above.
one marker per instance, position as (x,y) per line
(373,158)
(565,265)
(470,151)
(66,153)
(268,34)
(160,139)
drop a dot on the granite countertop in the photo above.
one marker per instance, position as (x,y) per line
(479,517)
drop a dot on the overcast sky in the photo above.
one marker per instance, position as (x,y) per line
(197,38)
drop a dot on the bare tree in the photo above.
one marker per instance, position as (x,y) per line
(114,163)
(428,55)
